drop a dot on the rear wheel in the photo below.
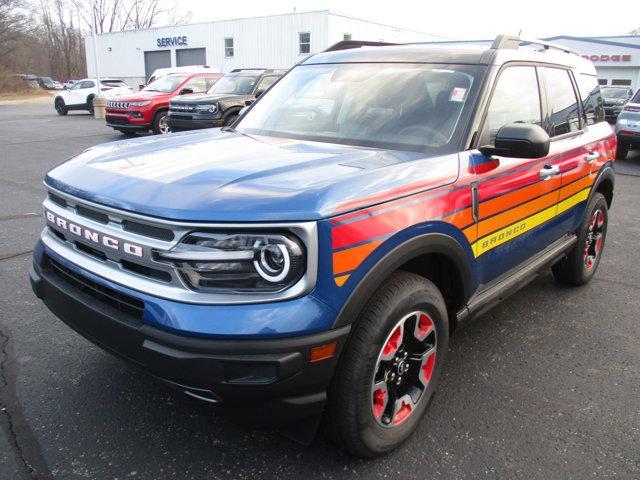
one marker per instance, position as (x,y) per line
(60,106)
(160,124)
(90,104)
(580,264)
(389,369)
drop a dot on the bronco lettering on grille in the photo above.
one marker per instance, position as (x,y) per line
(93,236)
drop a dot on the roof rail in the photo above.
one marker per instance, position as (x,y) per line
(510,42)
(348,44)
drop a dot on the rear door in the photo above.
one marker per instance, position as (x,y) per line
(517,197)
(577,135)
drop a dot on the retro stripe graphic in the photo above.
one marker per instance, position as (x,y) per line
(503,217)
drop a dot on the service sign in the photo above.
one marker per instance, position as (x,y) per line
(608,58)
(171,41)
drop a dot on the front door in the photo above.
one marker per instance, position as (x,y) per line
(517,197)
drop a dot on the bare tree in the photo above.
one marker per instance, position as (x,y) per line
(14,22)
(63,39)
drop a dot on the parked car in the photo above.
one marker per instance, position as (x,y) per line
(313,259)
(628,127)
(80,95)
(147,109)
(46,82)
(28,80)
(161,72)
(614,99)
(222,103)
(57,85)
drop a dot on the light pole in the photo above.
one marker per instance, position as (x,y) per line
(95,44)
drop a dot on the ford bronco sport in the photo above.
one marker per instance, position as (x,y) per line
(312,259)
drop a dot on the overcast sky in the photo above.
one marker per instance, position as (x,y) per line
(453,19)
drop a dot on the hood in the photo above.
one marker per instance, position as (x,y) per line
(230,177)
(203,98)
(141,96)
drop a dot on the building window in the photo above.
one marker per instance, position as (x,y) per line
(602,81)
(228,47)
(346,36)
(622,83)
(305,42)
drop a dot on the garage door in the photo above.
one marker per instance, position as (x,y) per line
(156,59)
(191,56)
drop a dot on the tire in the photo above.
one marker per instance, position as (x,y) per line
(159,124)
(370,418)
(230,119)
(582,261)
(621,151)
(60,106)
(90,104)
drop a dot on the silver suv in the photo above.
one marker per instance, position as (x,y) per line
(628,127)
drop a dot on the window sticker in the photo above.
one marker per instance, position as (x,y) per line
(458,94)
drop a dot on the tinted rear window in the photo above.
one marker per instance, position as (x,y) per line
(591,98)
(563,104)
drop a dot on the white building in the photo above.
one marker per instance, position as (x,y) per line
(616,58)
(275,41)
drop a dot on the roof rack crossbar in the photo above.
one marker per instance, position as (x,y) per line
(510,42)
(348,44)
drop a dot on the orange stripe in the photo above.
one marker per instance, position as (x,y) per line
(575,187)
(507,218)
(499,204)
(349,259)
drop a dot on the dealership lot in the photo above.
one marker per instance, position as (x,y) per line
(544,386)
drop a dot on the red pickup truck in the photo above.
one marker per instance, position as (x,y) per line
(147,109)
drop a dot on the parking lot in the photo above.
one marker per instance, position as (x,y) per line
(544,386)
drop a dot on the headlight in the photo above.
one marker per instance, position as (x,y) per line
(239,262)
(140,104)
(207,108)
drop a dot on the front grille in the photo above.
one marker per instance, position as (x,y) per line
(182,108)
(117,104)
(117,120)
(148,230)
(127,308)
(181,117)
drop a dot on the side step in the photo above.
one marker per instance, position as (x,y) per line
(488,298)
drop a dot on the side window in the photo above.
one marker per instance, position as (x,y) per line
(516,98)
(563,104)
(210,81)
(88,84)
(591,98)
(266,82)
(76,86)
(198,85)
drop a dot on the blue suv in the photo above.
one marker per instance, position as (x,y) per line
(312,259)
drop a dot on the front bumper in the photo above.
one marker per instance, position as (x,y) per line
(245,377)
(126,121)
(193,121)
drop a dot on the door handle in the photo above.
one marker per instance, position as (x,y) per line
(549,171)
(592,156)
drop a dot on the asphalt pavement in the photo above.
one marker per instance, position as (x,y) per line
(545,386)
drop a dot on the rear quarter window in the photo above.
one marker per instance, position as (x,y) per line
(591,98)
(563,114)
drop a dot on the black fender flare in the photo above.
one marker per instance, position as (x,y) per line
(607,173)
(429,243)
(90,98)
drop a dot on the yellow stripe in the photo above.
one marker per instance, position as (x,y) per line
(526,224)
(340,280)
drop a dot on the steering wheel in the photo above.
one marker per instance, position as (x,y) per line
(437,137)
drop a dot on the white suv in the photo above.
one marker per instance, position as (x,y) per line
(80,95)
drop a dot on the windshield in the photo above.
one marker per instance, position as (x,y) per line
(113,83)
(234,85)
(166,84)
(622,93)
(404,106)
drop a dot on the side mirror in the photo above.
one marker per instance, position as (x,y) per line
(185,91)
(519,140)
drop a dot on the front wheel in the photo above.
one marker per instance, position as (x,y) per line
(160,124)
(389,369)
(60,106)
(580,264)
